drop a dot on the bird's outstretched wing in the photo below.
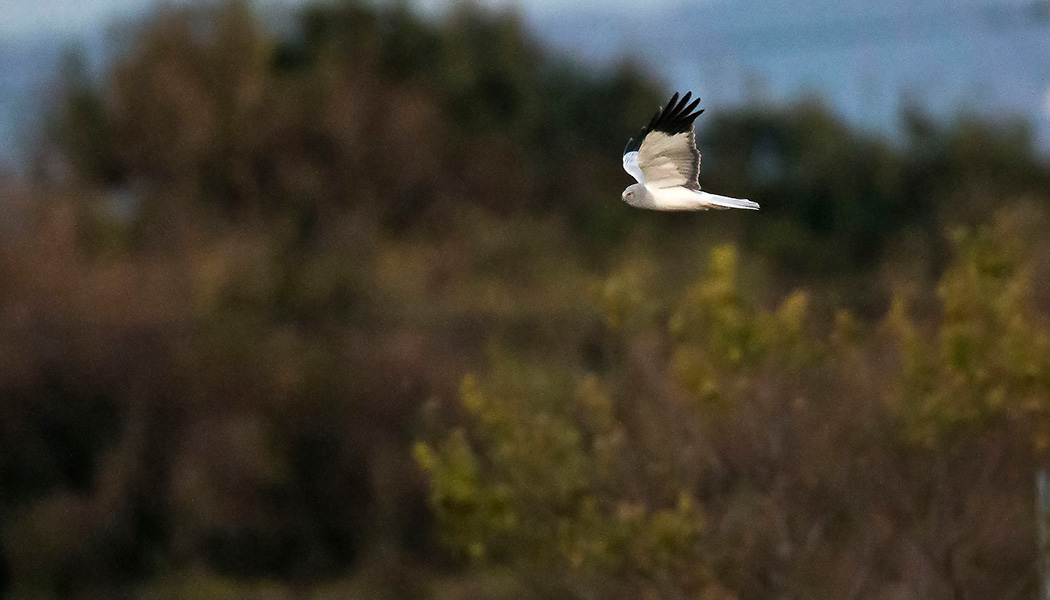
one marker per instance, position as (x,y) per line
(664,153)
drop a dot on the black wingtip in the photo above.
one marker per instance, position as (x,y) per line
(692,107)
(677,115)
(673,100)
(685,100)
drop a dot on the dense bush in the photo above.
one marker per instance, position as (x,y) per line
(745,452)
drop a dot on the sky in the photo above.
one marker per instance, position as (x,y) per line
(989,58)
(19,18)
(867,60)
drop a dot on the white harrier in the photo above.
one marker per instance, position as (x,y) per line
(664,160)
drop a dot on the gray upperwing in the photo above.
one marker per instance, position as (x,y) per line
(670,160)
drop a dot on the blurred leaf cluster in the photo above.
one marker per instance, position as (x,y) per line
(358,107)
(350,307)
(841,198)
(990,359)
(550,490)
(743,452)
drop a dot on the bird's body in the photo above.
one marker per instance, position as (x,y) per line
(680,198)
(665,162)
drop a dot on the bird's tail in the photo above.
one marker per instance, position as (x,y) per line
(716,201)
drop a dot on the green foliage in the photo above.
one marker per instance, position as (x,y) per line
(990,357)
(542,482)
(555,471)
(719,334)
(551,475)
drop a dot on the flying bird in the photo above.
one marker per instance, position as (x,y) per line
(664,159)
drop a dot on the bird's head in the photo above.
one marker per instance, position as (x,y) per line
(633,194)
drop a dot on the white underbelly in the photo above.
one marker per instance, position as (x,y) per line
(680,198)
(676,198)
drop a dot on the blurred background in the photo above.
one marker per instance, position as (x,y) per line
(305,299)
